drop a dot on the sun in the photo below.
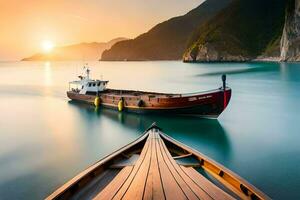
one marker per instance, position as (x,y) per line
(47,46)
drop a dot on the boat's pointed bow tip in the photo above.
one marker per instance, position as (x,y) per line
(154,126)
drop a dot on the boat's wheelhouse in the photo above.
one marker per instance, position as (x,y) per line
(87,86)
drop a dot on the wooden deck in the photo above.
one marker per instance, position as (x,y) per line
(156,175)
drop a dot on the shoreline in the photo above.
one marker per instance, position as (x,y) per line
(265,60)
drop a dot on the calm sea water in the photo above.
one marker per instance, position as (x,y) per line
(45,139)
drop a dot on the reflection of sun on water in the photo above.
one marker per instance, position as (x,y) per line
(48,74)
(61,137)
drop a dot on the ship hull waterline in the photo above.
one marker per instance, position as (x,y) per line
(208,104)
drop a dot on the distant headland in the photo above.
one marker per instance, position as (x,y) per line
(82,51)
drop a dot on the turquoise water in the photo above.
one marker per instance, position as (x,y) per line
(45,140)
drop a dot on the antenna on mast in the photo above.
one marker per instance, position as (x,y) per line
(87,70)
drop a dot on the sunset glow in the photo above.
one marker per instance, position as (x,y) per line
(25,26)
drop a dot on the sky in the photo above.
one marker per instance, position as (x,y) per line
(26,24)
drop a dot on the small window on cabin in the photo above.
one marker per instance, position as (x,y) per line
(90,85)
(94,84)
(81,87)
(98,84)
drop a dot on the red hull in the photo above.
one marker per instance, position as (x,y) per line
(206,104)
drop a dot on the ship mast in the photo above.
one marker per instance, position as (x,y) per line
(87,71)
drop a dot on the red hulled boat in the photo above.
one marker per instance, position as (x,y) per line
(209,104)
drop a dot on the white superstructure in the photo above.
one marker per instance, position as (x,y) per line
(86,85)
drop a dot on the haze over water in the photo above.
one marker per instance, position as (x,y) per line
(45,139)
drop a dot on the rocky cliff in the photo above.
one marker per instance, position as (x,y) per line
(245,30)
(290,41)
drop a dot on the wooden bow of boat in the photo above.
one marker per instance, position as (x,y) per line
(157,167)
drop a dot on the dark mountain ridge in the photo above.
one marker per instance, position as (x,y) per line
(167,40)
(236,30)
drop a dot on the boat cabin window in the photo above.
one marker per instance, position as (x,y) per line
(82,87)
(98,84)
(90,85)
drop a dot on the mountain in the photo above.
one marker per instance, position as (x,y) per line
(167,40)
(244,30)
(82,51)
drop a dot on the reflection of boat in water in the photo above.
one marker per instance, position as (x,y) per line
(204,104)
(205,134)
(155,166)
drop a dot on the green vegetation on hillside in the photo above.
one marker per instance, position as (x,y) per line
(246,27)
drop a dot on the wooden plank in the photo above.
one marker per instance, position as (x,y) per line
(137,186)
(230,180)
(136,168)
(110,190)
(172,189)
(156,175)
(208,186)
(188,162)
(126,162)
(70,185)
(191,190)
(206,190)
(154,188)
(183,156)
